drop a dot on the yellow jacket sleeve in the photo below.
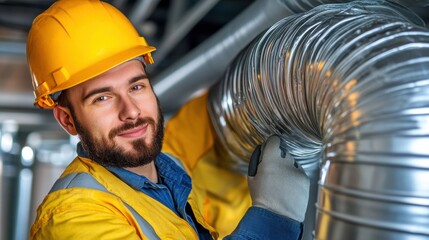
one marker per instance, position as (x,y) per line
(70,209)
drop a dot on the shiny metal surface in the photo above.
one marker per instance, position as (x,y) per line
(347,88)
(202,67)
(304,5)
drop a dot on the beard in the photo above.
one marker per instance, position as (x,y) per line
(106,152)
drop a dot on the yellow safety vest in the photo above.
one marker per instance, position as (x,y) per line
(112,210)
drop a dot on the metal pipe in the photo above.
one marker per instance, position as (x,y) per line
(346,86)
(142,10)
(175,11)
(202,67)
(186,23)
(12,47)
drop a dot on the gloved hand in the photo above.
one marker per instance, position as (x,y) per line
(277,182)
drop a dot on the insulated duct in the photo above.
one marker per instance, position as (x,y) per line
(347,88)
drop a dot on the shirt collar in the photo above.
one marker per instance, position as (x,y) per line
(169,173)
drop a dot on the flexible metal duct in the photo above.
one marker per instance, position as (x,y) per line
(298,6)
(347,88)
(203,66)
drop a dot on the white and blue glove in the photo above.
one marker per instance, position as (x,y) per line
(277,182)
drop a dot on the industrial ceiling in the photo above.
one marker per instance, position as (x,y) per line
(175,27)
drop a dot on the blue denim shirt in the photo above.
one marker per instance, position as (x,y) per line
(173,188)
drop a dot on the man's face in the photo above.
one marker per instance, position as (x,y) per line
(117,117)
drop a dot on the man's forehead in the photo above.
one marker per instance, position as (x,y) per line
(133,66)
(122,71)
(119,75)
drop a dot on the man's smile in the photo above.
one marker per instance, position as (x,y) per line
(134,132)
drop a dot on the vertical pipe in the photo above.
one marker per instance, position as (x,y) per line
(22,221)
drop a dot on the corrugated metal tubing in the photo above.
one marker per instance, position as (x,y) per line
(347,88)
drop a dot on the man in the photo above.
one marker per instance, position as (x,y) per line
(87,63)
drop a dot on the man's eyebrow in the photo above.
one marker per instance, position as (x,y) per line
(137,78)
(95,91)
(106,89)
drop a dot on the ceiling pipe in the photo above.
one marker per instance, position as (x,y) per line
(175,12)
(141,11)
(12,47)
(203,66)
(186,23)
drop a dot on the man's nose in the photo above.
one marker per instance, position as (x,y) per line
(129,109)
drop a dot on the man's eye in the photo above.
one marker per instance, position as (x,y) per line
(137,87)
(100,99)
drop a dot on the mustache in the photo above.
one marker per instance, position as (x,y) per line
(131,125)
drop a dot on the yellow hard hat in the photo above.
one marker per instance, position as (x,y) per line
(76,40)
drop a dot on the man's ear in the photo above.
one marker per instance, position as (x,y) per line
(64,118)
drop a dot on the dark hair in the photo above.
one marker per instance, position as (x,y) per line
(63,100)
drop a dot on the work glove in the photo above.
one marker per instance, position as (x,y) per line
(277,182)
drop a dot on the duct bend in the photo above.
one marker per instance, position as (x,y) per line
(347,84)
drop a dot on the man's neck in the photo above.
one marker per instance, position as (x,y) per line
(148,170)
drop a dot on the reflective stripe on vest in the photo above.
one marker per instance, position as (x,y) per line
(85,180)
